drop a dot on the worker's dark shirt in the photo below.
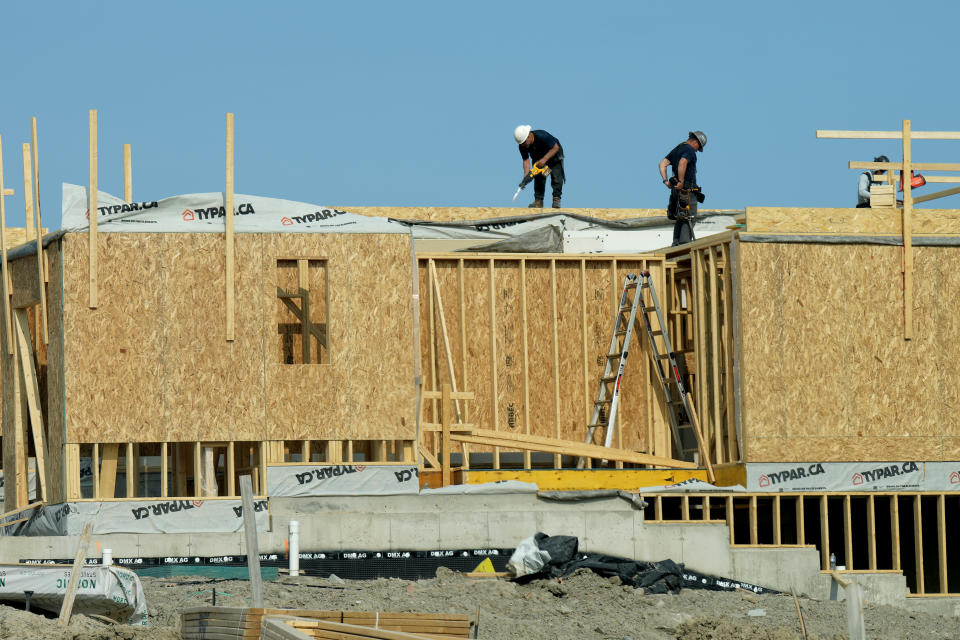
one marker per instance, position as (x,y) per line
(542,143)
(684,150)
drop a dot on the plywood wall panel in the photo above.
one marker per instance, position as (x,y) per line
(25,289)
(570,351)
(180,325)
(839,448)
(56,435)
(946,357)
(115,351)
(460,214)
(476,302)
(248,353)
(540,347)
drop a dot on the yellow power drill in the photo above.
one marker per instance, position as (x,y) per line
(534,172)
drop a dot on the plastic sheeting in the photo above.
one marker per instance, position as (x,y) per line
(109,591)
(144,516)
(342,480)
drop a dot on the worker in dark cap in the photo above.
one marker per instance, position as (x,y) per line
(868,179)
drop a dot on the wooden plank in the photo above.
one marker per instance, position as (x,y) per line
(887,135)
(66,609)
(777,533)
(8,322)
(40,254)
(108,470)
(197,469)
(303,286)
(871,533)
(164,469)
(526,357)
(847,533)
(127,174)
(936,194)
(32,392)
(445,407)
(942,542)
(557,458)
(715,389)
(754,535)
(728,386)
(461,306)
(701,445)
(95,463)
(918,542)
(494,414)
(27,191)
(93,211)
(730,517)
(250,535)
(907,237)
(133,469)
(228,230)
(801,524)
(824,534)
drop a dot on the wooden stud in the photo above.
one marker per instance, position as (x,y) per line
(71,454)
(92,210)
(526,358)
(3,250)
(701,445)
(871,533)
(715,389)
(658,509)
(732,447)
(700,320)
(445,406)
(27,191)
(583,325)
(801,524)
(228,230)
(164,469)
(181,454)
(942,540)
(432,339)
(847,533)
(777,534)
(557,458)
(461,300)
(705,507)
(232,469)
(730,517)
(127,175)
(41,266)
(66,609)
(304,452)
(895,530)
(936,194)
(824,534)
(349,451)
(95,463)
(261,485)
(197,470)
(753,520)
(494,414)
(918,540)
(451,374)
(306,327)
(907,237)
(32,391)
(685,507)
(108,470)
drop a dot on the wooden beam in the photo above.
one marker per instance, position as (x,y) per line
(754,534)
(907,237)
(445,403)
(164,469)
(108,470)
(92,210)
(462,308)
(133,469)
(66,609)
(228,231)
(232,468)
(777,533)
(732,447)
(127,175)
(801,523)
(27,190)
(886,135)
(897,166)
(936,194)
(95,464)
(715,388)
(430,458)
(824,533)
(252,548)
(41,263)
(871,534)
(3,250)
(895,531)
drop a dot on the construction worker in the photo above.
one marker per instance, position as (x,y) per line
(546,151)
(866,181)
(684,192)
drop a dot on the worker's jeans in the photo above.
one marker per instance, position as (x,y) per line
(683,228)
(556,181)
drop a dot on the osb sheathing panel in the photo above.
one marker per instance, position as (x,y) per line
(25,281)
(458,214)
(477,376)
(159,337)
(851,221)
(827,374)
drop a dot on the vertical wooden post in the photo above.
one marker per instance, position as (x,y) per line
(232,468)
(445,402)
(895,531)
(127,174)
(250,534)
(303,284)
(3,250)
(715,388)
(801,524)
(732,448)
(907,237)
(197,470)
(872,533)
(95,463)
(777,535)
(847,533)
(108,470)
(228,204)
(164,469)
(494,414)
(583,325)
(27,190)
(133,469)
(824,534)
(557,458)
(754,536)
(942,541)
(92,210)
(730,516)
(918,541)
(526,358)
(41,263)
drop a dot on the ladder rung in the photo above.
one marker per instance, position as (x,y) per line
(621,333)
(609,378)
(663,356)
(615,355)
(656,332)
(632,285)
(649,309)
(604,401)
(597,425)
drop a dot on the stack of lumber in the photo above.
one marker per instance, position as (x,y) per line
(230,623)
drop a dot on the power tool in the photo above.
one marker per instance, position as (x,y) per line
(534,172)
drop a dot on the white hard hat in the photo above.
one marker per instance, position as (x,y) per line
(520,133)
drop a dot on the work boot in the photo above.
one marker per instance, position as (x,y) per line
(536,204)
(556,202)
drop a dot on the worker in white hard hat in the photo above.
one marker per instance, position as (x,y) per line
(684,192)
(545,151)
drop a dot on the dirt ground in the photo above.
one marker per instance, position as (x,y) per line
(582,606)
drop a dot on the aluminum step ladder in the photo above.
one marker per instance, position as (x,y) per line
(683,418)
(608,397)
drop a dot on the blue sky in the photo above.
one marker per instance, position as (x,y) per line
(414,104)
